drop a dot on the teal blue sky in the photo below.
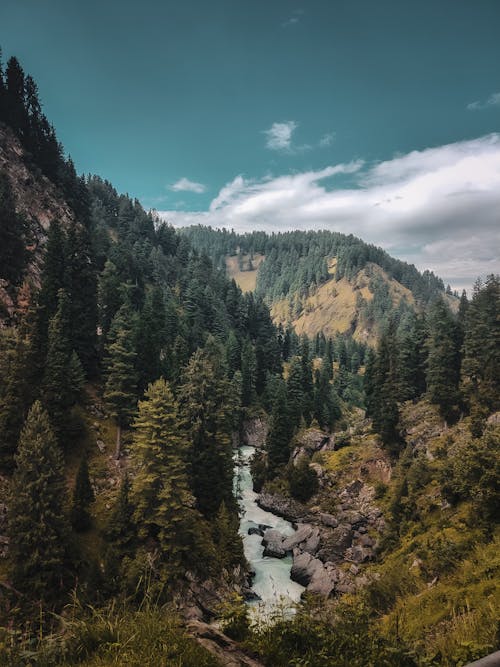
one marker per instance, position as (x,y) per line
(149,93)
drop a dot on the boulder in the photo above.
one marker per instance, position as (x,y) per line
(272,542)
(302,570)
(311,545)
(328,520)
(253,530)
(302,533)
(286,507)
(321,582)
(311,572)
(335,544)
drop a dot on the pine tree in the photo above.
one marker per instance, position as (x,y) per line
(120,537)
(13,253)
(164,504)
(38,525)
(443,365)
(151,333)
(15,391)
(233,353)
(280,432)
(295,391)
(81,286)
(248,372)
(120,393)
(206,410)
(83,496)
(109,298)
(15,112)
(481,352)
(63,377)
(228,543)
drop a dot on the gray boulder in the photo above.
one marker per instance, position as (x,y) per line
(302,533)
(272,542)
(328,520)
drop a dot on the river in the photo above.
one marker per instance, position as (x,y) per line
(272,581)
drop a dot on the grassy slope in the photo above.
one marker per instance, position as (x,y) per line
(246,280)
(332,308)
(437,583)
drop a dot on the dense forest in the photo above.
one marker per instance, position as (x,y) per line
(134,334)
(297,261)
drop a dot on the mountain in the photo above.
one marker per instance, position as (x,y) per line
(322,282)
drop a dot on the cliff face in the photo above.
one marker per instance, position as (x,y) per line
(39,202)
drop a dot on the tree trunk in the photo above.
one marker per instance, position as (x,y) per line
(118,441)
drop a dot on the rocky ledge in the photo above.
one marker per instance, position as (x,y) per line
(328,549)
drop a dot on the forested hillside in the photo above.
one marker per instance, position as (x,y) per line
(323,281)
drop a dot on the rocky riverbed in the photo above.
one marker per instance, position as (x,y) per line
(327,550)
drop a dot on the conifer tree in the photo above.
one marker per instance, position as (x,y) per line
(481,351)
(295,391)
(15,391)
(443,365)
(109,298)
(164,504)
(83,496)
(63,377)
(280,432)
(233,353)
(228,543)
(248,372)
(38,525)
(13,253)
(120,538)
(120,392)
(206,410)
(151,333)
(81,286)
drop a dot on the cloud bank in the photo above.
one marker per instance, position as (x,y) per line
(438,208)
(185,185)
(492,101)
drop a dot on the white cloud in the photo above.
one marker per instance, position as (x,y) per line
(279,135)
(327,140)
(185,185)
(437,208)
(492,101)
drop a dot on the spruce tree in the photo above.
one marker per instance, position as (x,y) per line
(120,537)
(63,377)
(295,391)
(164,504)
(443,365)
(81,286)
(151,333)
(120,392)
(13,253)
(206,410)
(248,373)
(83,496)
(15,391)
(481,352)
(280,432)
(38,525)
(228,543)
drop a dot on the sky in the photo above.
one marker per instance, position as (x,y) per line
(376,118)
